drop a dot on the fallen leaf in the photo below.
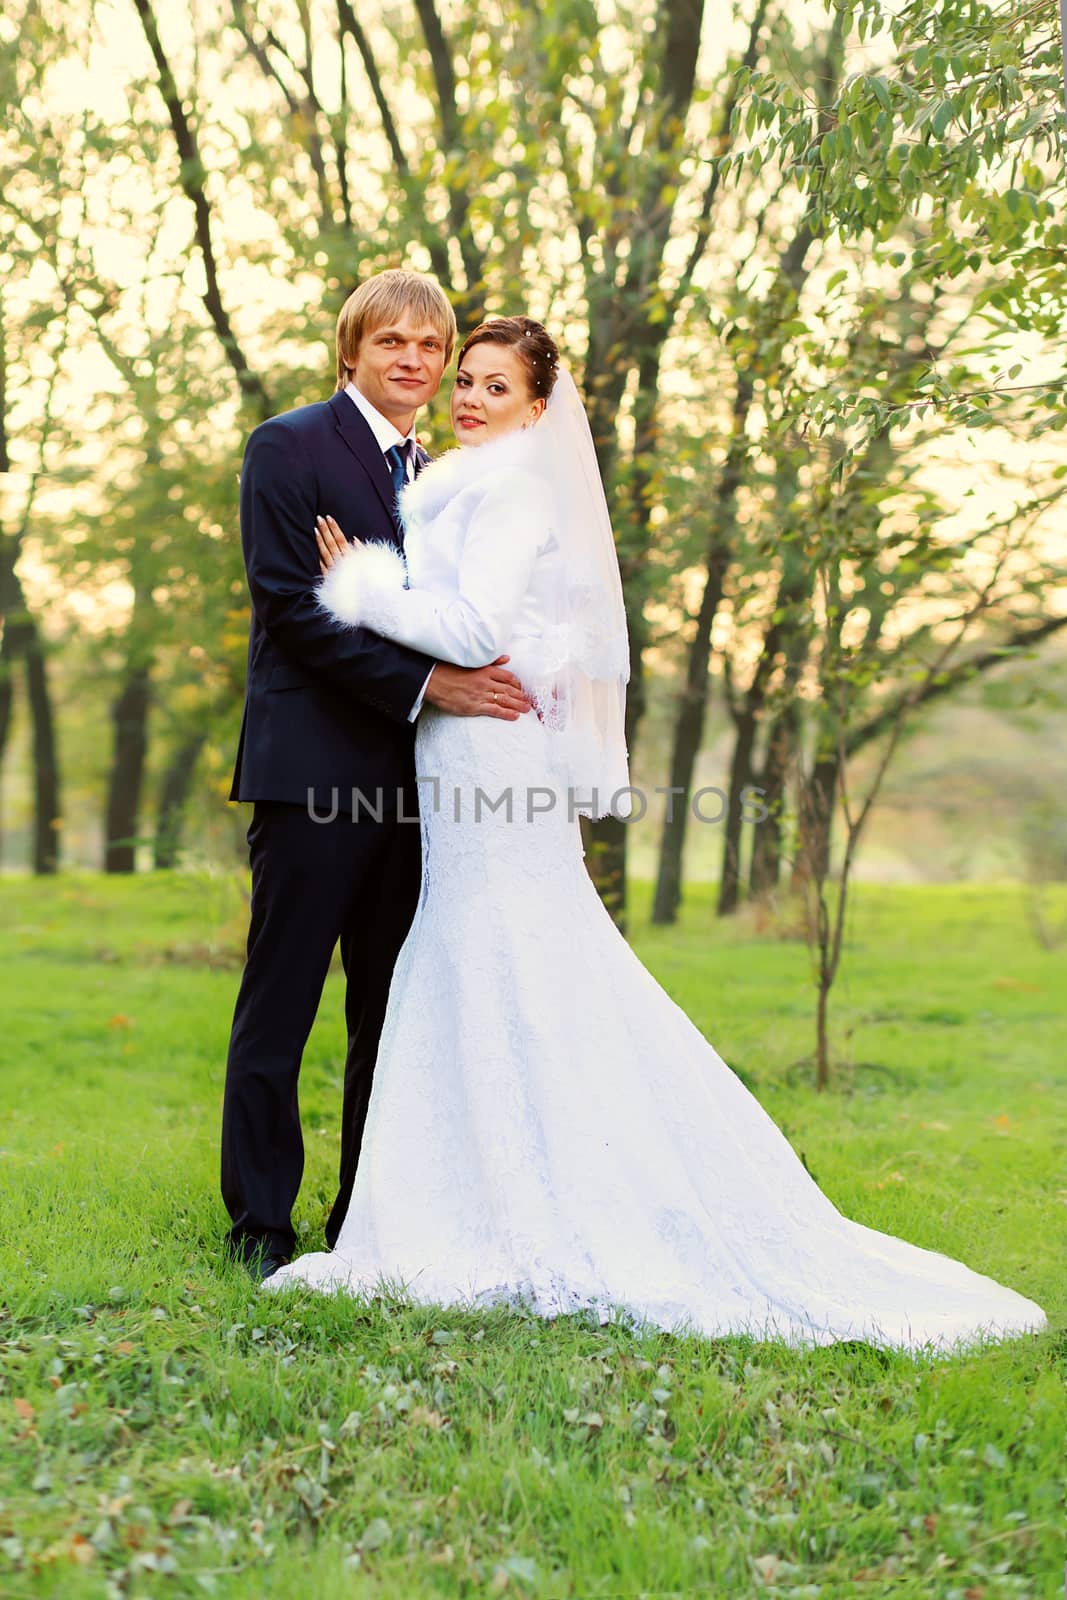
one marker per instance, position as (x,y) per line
(81,1551)
(24,1410)
(124,1347)
(119,1021)
(423,1417)
(375,1534)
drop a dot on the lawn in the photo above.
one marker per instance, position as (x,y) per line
(167,1432)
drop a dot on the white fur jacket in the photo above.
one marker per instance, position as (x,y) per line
(482,561)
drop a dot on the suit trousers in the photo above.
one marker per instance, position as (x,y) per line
(314,883)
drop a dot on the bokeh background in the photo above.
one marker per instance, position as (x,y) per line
(807,261)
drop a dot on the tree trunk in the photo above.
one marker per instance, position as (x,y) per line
(688,730)
(689,725)
(173,798)
(22,638)
(7,702)
(688,734)
(822,1036)
(47,817)
(767,838)
(607,839)
(605,859)
(130,718)
(740,778)
(816,820)
(622,325)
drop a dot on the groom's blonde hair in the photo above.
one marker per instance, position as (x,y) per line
(382,299)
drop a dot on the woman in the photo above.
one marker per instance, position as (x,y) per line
(546,1125)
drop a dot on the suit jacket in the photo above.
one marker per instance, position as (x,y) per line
(326,706)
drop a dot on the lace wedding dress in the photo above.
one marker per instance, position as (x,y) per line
(546,1126)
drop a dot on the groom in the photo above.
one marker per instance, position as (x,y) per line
(329,710)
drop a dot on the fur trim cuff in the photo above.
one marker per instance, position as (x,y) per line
(361,589)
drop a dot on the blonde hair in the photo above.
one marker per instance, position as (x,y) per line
(380,300)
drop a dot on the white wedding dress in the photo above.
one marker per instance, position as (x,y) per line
(546,1126)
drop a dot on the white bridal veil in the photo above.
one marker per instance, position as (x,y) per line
(585,712)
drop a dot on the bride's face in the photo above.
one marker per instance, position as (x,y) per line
(492,395)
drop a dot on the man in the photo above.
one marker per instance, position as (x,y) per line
(329,717)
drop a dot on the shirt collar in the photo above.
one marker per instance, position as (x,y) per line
(383,430)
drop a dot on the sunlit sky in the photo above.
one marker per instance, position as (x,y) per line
(974,471)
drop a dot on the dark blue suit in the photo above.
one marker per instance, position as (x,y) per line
(326,710)
(325,707)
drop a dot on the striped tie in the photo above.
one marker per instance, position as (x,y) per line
(397,457)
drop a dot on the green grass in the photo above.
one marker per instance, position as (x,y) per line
(167,1432)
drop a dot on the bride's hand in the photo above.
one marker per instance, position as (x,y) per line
(333,546)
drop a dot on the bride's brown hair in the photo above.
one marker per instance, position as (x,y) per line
(533,345)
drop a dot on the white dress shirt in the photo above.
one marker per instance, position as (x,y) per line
(386,434)
(383,430)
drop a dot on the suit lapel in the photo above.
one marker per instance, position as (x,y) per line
(356,433)
(421,459)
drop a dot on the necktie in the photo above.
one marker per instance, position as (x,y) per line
(397,457)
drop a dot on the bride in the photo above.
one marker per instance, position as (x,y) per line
(546,1126)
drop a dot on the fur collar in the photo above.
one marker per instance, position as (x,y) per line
(448,475)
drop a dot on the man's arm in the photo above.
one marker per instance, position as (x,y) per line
(281,559)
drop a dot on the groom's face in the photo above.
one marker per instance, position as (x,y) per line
(399,366)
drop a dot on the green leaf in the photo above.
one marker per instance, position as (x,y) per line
(881,91)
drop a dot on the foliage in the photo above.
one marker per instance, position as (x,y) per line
(790,257)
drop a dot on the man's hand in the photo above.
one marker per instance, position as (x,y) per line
(478,691)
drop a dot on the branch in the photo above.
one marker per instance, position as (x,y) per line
(1021,639)
(349,23)
(313,110)
(703,234)
(444,78)
(680,24)
(12,600)
(340,130)
(307,111)
(904,704)
(191,175)
(261,58)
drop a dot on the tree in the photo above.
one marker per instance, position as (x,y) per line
(21,639)
(908,342)
(845,671)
